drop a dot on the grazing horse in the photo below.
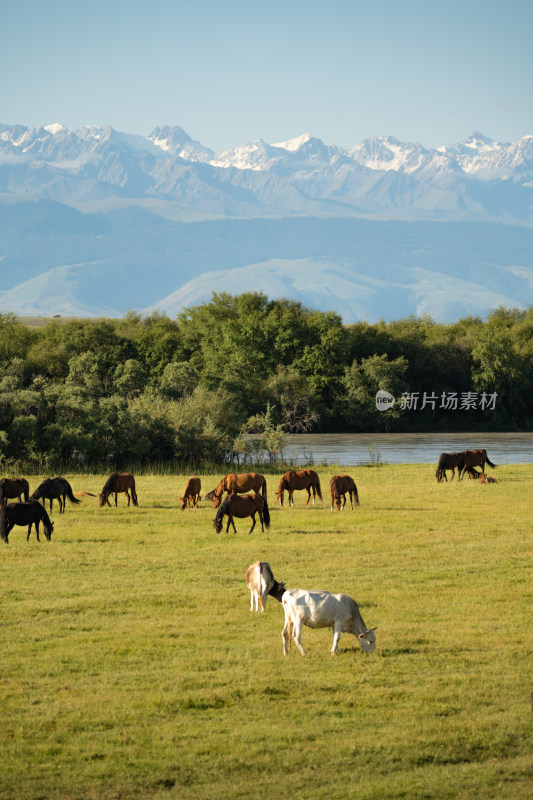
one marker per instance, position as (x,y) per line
(248,506)
(238,484)
(14,487)
(191,494)
(28,513)
(475,458)
(119,483)
(451,461)
(303,479)
(339,485)
(55,489)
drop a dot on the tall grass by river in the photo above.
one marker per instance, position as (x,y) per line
(132,667)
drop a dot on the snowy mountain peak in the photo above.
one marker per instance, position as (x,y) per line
(177,142)
(294,144)
(54,128)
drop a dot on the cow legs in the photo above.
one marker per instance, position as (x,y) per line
(336,637)
(297,636)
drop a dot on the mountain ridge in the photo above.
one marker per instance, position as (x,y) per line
(98,221)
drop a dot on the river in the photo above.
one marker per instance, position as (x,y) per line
(403,448)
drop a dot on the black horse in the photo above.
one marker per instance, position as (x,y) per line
(30,513)
(55,489)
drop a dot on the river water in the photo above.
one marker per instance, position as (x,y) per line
(403,448)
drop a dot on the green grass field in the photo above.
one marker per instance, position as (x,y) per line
(132,666)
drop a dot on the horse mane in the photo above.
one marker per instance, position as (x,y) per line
(110,482)
(222,509)
(44,516)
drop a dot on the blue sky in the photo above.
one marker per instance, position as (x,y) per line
(235,71)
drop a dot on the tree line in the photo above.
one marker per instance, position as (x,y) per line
(87,393)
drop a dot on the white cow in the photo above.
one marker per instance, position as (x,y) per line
(261,583)
(324,610)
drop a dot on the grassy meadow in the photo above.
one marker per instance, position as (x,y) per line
(132,667)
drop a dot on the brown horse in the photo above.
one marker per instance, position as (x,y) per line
(339,485)
(453,461)
(473,473)
(303,479)
(248,506)
(29,513)
(119,483)
(14,487)
(238,484)
(191,494)
(55,489)
(475,458)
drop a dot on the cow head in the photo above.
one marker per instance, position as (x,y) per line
(367,640)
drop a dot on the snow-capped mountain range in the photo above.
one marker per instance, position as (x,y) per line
(73,202)
(476,179)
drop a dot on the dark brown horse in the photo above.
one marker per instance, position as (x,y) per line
(237,506)
(238,484)
(14,487)
(116,483)
(191,494)
(453,461)
(29,513)
(339,486)
(475,458)
(55,489)
(303,479)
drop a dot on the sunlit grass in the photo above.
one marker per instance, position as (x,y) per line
(132,666)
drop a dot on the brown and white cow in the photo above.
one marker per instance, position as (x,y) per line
(261,583)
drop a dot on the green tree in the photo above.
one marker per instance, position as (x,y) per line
(362,382)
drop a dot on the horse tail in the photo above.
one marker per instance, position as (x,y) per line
(70,493)
(26,489)
(489,462)
(133,492)
(4,524)
(266,513)
(318,489)
(264,489)
(356,494)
